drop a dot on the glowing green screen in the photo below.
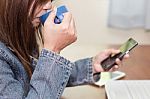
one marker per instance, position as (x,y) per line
(128,45)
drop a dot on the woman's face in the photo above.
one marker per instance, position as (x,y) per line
(39,11)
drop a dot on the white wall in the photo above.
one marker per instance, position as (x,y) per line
(93,33)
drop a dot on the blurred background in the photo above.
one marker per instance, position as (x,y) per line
(101,23)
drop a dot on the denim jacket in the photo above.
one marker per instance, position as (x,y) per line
(52,73)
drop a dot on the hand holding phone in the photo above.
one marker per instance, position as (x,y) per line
(109,62)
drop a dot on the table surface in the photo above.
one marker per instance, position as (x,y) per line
(137,67)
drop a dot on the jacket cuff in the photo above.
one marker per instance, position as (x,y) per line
(57,57)
(90,71)
(52,73)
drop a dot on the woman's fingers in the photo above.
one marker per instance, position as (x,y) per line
(67,19)
(118,61)
(126,56)
(111,51)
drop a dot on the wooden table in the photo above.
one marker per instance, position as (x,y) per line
(137,67)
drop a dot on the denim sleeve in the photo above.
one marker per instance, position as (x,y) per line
(48,81)
(82,73)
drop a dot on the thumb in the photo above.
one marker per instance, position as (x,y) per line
(97,68)
(52,15)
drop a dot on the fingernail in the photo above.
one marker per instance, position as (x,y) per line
(117,60)
(116,66)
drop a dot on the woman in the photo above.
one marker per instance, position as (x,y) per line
(26,72)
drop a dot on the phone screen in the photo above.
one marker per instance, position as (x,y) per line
(109,62)
(104,77)
(130,44)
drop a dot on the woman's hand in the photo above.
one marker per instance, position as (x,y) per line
(58,36)
(103,55)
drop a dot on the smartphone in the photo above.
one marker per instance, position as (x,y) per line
(107,76)
(109,62)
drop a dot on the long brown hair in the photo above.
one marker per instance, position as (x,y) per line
(17,31)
